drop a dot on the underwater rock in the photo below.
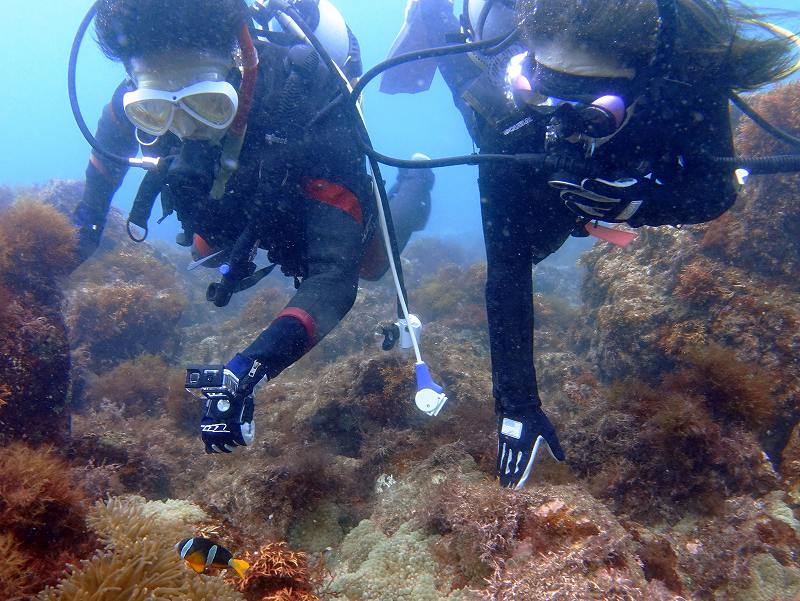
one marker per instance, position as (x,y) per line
(37,250)
(42,519)
(34,370)
(400,567)
(558,281)
(65,195)
(139,386)
(6,197)
(453,295)
(120,320)
(426,255)
(445,531)
(723,556)
(730,283)
(771,581)
(653,453)
(319,529)
(790,463)
(126,299)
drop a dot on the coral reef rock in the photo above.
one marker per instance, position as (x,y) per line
(37,250)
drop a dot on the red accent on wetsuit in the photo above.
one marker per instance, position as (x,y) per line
(374,263)
(305,319)
(101,168)
(201,247)
(335,195)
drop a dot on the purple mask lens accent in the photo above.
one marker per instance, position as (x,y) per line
(614,105)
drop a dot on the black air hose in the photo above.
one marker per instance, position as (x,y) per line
(789,163)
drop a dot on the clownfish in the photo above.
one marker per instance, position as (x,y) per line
(200,553)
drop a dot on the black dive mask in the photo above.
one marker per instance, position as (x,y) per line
(578,88)
(593,107)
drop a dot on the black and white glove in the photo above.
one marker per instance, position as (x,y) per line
(519,438)
(613,201)
(228,418)
(227,423)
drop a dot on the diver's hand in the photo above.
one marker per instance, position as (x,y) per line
(519,438)
(228,390)
(227,423)
(611,200)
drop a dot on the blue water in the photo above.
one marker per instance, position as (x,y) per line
(41,141)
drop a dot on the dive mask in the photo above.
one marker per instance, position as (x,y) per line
(586,105)
(191,96)
(211,103)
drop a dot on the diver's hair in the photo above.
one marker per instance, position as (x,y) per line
(717,42)
(136,28)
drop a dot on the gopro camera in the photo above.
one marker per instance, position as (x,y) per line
(212,382)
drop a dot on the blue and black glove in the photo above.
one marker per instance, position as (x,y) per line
(228,390)
(610,200)
(519,438)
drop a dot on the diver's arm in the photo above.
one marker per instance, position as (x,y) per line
(328,291)
(333,184)
(696,192)
(326,294)
(103,176)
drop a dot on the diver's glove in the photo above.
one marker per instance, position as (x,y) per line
(614,201)
(519,439)
(228,419)
(227,423)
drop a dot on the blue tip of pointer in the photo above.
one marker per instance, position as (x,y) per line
(430,396)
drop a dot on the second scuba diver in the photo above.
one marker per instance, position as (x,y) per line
(258,167)
(638,89)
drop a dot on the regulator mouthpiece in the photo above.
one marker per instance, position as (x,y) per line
(430,396)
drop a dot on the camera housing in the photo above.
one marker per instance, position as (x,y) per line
(211,382)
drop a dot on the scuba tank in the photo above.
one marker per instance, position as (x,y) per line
(488,19)
(322,17)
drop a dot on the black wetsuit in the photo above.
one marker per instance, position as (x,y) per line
(524,219)
(304,189)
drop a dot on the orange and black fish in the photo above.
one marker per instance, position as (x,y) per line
(200,553)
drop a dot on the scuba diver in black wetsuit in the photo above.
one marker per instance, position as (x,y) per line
(258,167)
(639,92)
